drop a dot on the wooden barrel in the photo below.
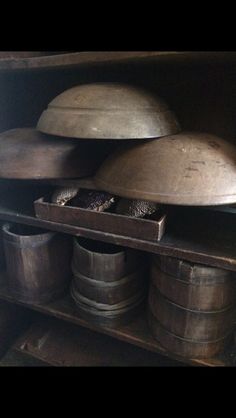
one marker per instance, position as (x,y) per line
(107,316)
(103,261)
(191,306)
(109,293)
(38,263)
(185,347)
(109,282)
(190,324)
(194,286)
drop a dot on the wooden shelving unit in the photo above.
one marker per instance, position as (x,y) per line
(161,69)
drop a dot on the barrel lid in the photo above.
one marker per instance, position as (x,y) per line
(108,111)
(28,154)
(189,168)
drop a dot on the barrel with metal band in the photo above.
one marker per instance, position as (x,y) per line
(191,307)
(38,263)
(113,292)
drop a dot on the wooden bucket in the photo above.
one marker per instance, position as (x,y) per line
(191,306)
(107,316)
(193,286)
(185,347)
(108,286)
(190,324)
(109,293)
(38,263)
(103,261)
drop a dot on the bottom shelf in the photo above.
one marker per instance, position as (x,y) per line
(58,343)
(16,358)
(136,332)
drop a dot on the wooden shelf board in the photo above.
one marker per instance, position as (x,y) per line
(204,249)
(60,343)
(136,332)
(77,59)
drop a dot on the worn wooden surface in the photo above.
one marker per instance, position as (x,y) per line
(113,111)
(136,332)
(38,262)
(217,290)
(186,239)
(28,154)
(103,261)
(192,308)
(196,325)
(176,77)
(109,294)
(171,170)
(95,58)
(187,348)
(111,223)
(65,345)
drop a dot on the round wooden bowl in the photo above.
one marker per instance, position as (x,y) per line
(190,168)
(28,154)
(108,111)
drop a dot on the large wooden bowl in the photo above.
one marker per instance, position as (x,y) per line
(28,154)
(185,169)
(110,111)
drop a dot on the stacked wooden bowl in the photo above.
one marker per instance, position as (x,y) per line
(107,113)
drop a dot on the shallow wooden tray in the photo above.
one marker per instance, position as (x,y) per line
(145,229)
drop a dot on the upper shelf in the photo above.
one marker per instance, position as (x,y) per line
(207,239)
(77,59)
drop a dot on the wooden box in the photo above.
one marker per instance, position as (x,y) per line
(145,229)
